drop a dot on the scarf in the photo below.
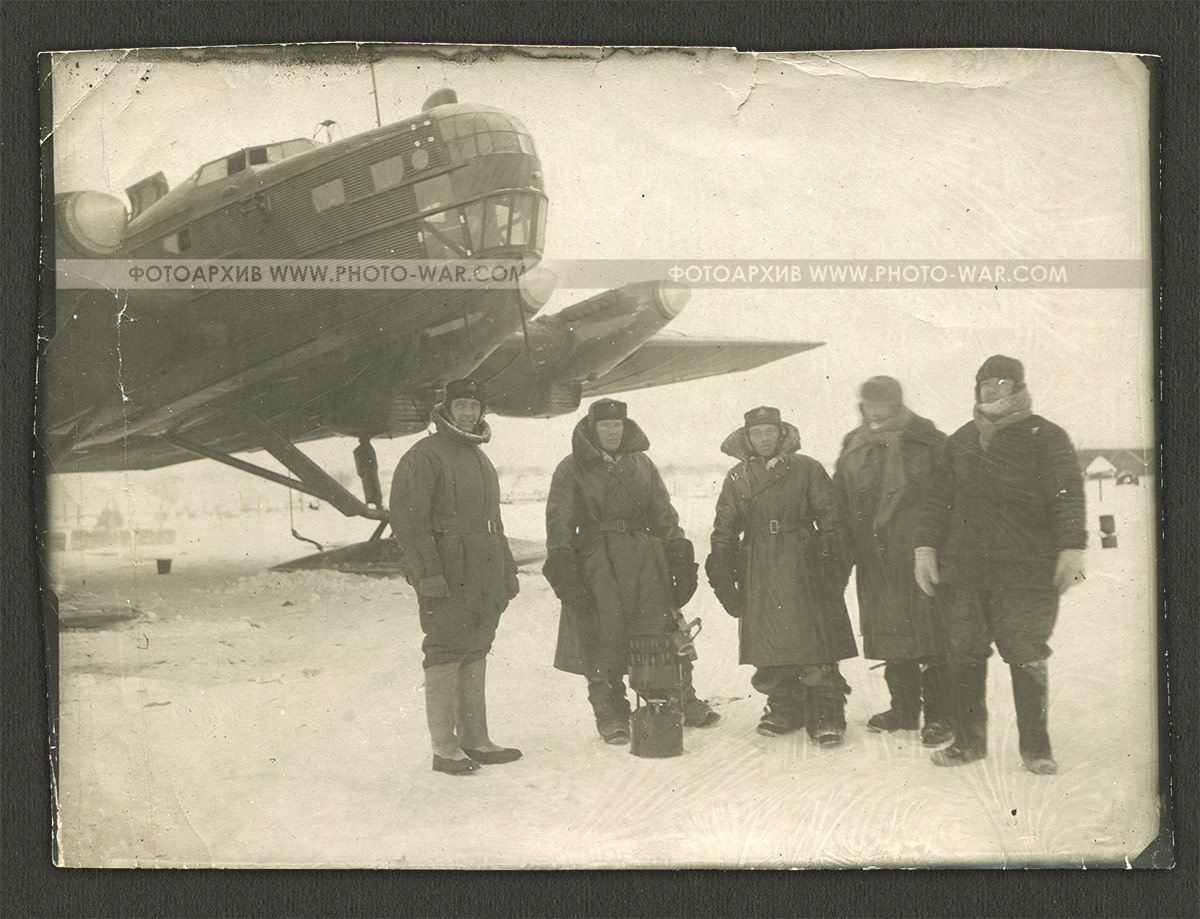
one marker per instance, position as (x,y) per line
(995,416)
(889,434)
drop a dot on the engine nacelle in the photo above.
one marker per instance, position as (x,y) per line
(539,400)
(541,373)
(88,224)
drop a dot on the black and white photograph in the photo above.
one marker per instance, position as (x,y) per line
(525,457)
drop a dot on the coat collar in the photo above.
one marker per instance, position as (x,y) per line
(737,444)
(586,450)
(481,435)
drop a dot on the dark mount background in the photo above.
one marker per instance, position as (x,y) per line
(31,887)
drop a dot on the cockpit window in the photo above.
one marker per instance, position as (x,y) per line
(480,133)
(516,219)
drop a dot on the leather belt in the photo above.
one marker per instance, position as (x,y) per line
(774,527)
(464,526)
(615,526)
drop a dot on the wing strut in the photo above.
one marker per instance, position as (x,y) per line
(313,480)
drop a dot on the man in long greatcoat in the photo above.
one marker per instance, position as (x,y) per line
(881,480)
(1001,536)
(618,560)
(779,564)
(445,515)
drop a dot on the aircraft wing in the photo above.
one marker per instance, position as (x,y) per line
(674,358)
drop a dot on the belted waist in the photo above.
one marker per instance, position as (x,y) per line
(774,527)
(464,526)
(613,526)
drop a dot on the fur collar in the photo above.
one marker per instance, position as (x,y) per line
(737,444)
(586,450)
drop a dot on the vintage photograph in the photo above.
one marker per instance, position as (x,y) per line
(539,457)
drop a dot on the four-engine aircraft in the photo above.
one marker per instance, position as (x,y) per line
(145,378)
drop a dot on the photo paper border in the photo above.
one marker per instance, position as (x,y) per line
(1163,29)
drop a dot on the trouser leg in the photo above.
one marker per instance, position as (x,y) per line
(1022,621)
(968,682)
(937,700)
(825,703)
(972,705)
(903,678)
(935,692)
(1031,683)
(968,637)
(697,713)
(441,703)
(608,697)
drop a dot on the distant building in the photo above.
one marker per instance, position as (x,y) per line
(1138,460)
(1100,468)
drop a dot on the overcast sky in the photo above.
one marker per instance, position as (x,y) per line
(714,154)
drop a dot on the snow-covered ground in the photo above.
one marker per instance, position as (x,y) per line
(246,718)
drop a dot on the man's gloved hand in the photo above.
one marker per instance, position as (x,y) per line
(433,587)
(511,585)
(1069,570)
(925,568)
(720,566)
(732,602)
(562,571)
(681,561)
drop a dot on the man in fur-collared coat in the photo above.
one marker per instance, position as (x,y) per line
(445,515)
(618,561)
(881,479)
(779,564)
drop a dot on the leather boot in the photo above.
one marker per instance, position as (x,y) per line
(610,705)
(441,702)
(968,681)
(903,679)
(784,711)
(936,698)
(471,717)
(1031,684)
(697,713)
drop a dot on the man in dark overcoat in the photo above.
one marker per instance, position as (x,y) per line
(445,515)
(618,560)
(779,564)
(881,480)
(1001,537)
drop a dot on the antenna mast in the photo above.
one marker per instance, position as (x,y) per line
(375,93)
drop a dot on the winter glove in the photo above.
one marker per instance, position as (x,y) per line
(511,585)
(562,571)
(925,568)
(1069,570)
(681,561)
(433,587)
(720,566)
